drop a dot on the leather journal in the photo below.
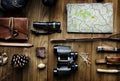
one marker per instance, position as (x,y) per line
(14,28)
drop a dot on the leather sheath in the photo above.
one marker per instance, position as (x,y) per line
(14,28)
(109,60)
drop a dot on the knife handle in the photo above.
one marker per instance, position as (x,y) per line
(114,59)
(108,70)
(108,49)
(100,61)
(110,60)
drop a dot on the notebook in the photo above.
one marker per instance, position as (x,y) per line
(90,18)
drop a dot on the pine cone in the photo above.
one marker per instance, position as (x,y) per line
(19,61)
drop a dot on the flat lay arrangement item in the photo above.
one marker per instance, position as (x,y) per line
(19,61)
(109,60)
(3,58)
(40,52)
(65,60)
(14,28)
(108,49)
(113,37)
(90,18)
(9,44)
(46,28)
(108,70)
(85,57)
(41,66)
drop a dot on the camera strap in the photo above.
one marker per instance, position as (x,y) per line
(37,32)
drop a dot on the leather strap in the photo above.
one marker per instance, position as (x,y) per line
(36,32)
(14,33)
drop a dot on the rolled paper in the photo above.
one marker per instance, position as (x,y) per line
(16,44)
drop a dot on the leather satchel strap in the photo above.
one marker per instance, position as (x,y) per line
(14,33)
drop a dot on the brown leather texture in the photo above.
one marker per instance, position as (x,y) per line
(14,28)
(113,59)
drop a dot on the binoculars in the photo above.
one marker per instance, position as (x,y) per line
(65,60)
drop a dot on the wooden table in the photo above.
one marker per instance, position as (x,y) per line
(36,11)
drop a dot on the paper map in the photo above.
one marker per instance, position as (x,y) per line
(90,18)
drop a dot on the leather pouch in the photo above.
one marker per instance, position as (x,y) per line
(14,28)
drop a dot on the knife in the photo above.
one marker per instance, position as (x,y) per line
(109,60)
(108,70)
(108,49)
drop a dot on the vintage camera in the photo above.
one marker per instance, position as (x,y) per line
(65,60)
(47,27)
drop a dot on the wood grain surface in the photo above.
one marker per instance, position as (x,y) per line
(36,11)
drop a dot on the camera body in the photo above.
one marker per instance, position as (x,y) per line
(65,60)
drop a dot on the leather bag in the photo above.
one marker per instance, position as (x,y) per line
(14,28)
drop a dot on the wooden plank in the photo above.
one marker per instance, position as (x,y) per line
(36,11)
(99,76)
(118,30)
(7,72)
(83,71)
(56,14)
